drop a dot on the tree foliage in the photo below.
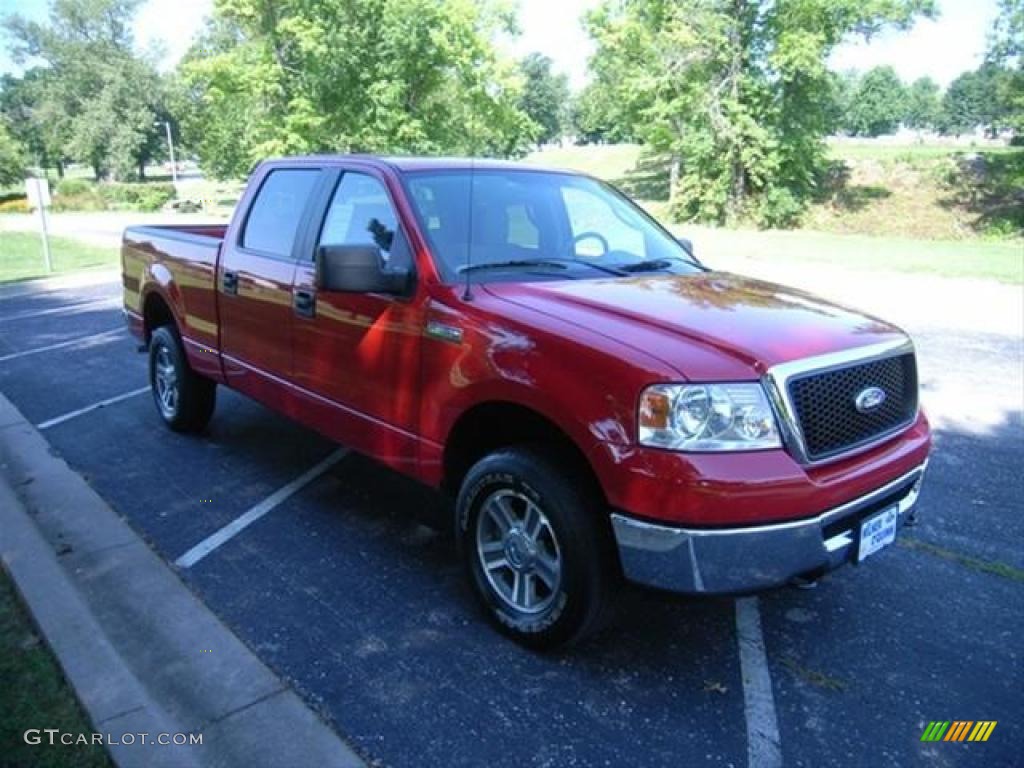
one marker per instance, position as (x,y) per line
(923,108)
(976,100)
(737,91)
(545,97)
(12,158)
(35,117)
(878,104)
(1006,51)
(276,77)
(96,100)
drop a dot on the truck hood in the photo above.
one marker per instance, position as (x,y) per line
(711,326)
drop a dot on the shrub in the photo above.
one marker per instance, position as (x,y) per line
(14,205)
(779,209)
(142,196)
(154,200)
(73,187)
(84,201)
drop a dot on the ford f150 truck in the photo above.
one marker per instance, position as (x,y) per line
(598,403)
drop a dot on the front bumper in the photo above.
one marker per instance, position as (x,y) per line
(752,558)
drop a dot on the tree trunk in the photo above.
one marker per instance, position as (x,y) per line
(673,177)
(142,170)
(737,180)
(60,169)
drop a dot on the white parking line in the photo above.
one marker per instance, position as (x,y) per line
(89,408)
(764,747)
(61,345)
(239,524)
(65,309)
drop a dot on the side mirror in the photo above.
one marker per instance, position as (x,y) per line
(687,244)
(358,269)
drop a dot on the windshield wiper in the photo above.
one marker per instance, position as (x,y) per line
(512,264)
(650,265)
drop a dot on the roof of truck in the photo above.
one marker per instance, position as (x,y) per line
(406,163)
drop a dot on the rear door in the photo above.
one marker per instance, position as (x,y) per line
(255,278)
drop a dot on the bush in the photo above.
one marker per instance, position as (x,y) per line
(84,201)
(14,205)
(73,187)
(779,209)
(141,196)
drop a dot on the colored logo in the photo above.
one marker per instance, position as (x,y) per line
(958,730)
(869,399)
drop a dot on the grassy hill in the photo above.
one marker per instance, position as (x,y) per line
(922,191)
(921,209)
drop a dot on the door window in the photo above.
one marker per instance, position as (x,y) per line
(361,214)
(275,213)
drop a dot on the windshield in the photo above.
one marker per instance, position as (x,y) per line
(539,225)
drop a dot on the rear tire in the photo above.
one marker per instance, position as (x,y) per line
(184,399)
(535,549)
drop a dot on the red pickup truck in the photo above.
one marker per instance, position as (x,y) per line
(598,402)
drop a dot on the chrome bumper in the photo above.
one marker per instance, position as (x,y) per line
(737,560)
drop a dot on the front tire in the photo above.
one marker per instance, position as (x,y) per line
(184,400)
(536,551)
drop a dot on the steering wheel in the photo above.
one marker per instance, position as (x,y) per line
(590,235)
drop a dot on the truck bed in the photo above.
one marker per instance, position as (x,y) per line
(183,258)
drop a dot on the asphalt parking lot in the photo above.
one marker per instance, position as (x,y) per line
(345,592)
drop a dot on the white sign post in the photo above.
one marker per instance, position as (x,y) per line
(38,193)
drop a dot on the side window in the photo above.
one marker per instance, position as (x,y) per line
(274,216)
(589,213)
(361,214)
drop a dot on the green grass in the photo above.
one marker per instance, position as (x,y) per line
(21,256)
(946,258)
(605,161)
(871,151)
(33,694)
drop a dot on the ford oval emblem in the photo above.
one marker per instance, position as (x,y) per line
(869,399)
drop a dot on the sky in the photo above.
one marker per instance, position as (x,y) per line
(940,49)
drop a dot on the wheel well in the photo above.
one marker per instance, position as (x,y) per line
(155,313)
(488,427)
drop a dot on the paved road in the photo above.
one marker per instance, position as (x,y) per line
(100,228)
(346,593)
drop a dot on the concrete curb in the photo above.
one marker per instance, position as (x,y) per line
(143,653)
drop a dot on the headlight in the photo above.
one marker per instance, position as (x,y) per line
(707,417)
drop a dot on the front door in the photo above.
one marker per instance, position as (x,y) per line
(358,353)
(255,280)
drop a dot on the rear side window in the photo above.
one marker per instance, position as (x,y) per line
(275,213)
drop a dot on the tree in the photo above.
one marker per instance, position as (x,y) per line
(37,121)
(545,97)
(975,100)
(737,92)
(878,104)
(271,78)
(12,158)
(102,97)
(923,109)
(843,90)
(596,119)
(1006,51)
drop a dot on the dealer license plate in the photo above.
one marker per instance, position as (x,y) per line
(878,531)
